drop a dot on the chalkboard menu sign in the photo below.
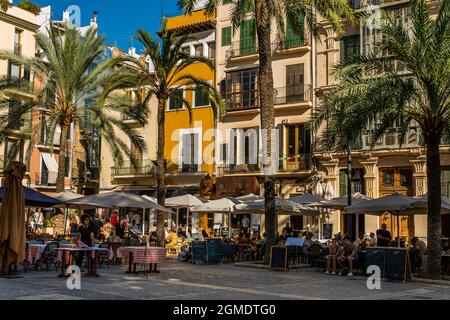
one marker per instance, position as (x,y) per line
(397,264)
(199,255)
(376,257)
(278,258)
(327,231)
(214,250)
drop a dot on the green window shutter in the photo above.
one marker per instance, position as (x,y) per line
(226,36)
(342,183)
(295,39)
(350,47)
(201,98)
(342,49)
(226,2)
(248,37)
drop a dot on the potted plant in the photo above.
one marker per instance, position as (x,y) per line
(49,226)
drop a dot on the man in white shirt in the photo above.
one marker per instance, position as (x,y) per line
(245,224)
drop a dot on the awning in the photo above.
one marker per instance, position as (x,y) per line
(52,167)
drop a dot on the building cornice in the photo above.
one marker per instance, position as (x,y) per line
(18,22)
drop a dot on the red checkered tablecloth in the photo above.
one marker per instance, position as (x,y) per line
(142,255)
(35,251)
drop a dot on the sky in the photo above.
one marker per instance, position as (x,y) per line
(117,20)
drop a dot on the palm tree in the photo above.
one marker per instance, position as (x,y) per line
(4,5)
(283,11)
(68,85)
(170,73)
(409,85)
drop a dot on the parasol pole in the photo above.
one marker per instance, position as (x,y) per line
(65,220)
(143,221)
(398,228)
(178,219)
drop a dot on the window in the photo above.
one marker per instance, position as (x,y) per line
(176,100)
(212,50)
(350,46)
(189,153)
(240,89)
(224,2)
(223,152)
(14,71)
(293,38)
(201,98)
(248,38)
(199,50)
(295,87)
(18,41)
(226,36)
(405,178)
(298,142)
(388,178)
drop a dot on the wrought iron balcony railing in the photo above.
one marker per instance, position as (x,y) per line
(356,187)
(240,168)
(242,48)
(292,94)
(300,162)
(143,168)
(291,42)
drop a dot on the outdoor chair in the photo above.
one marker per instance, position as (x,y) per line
(229,251)
(321,260)
(314,254)
(292,254)
(360,265)
(25,261)
(49,256)
(103,255)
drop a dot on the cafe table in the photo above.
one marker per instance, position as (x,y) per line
(146,255)
(92,259)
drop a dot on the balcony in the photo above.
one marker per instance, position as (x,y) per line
(242,169)
(292,44)
(242,101)
(391,139)
(144,168)
(356,187)
(243,49)
(301,162)
(292,94)
(363,4)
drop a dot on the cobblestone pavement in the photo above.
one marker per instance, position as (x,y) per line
(183,281)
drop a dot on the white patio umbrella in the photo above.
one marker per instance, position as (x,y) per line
(249,197)
(65,197)
(397,204)
(185,201)
(282,206)
(224,205)
(341,202)
(117,200)
(306,199)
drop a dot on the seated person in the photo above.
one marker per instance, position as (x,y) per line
(417,250)
(372,240)
(240,238)
(360,241)
(205,234)
(384,237)
(181,233)
(172,240)
(349,254)
(307,242)
(335,252)
(284,235)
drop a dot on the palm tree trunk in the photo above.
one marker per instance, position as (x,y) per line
(160,172)
(265,86)
(60,185)
(434,206)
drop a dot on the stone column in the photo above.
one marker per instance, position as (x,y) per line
(332,171)
(420,188)
(419,175)
(370,177)
(330,54)
(371,190)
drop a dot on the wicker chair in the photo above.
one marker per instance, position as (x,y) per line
(103,255)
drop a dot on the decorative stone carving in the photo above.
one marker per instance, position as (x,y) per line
(420,175)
